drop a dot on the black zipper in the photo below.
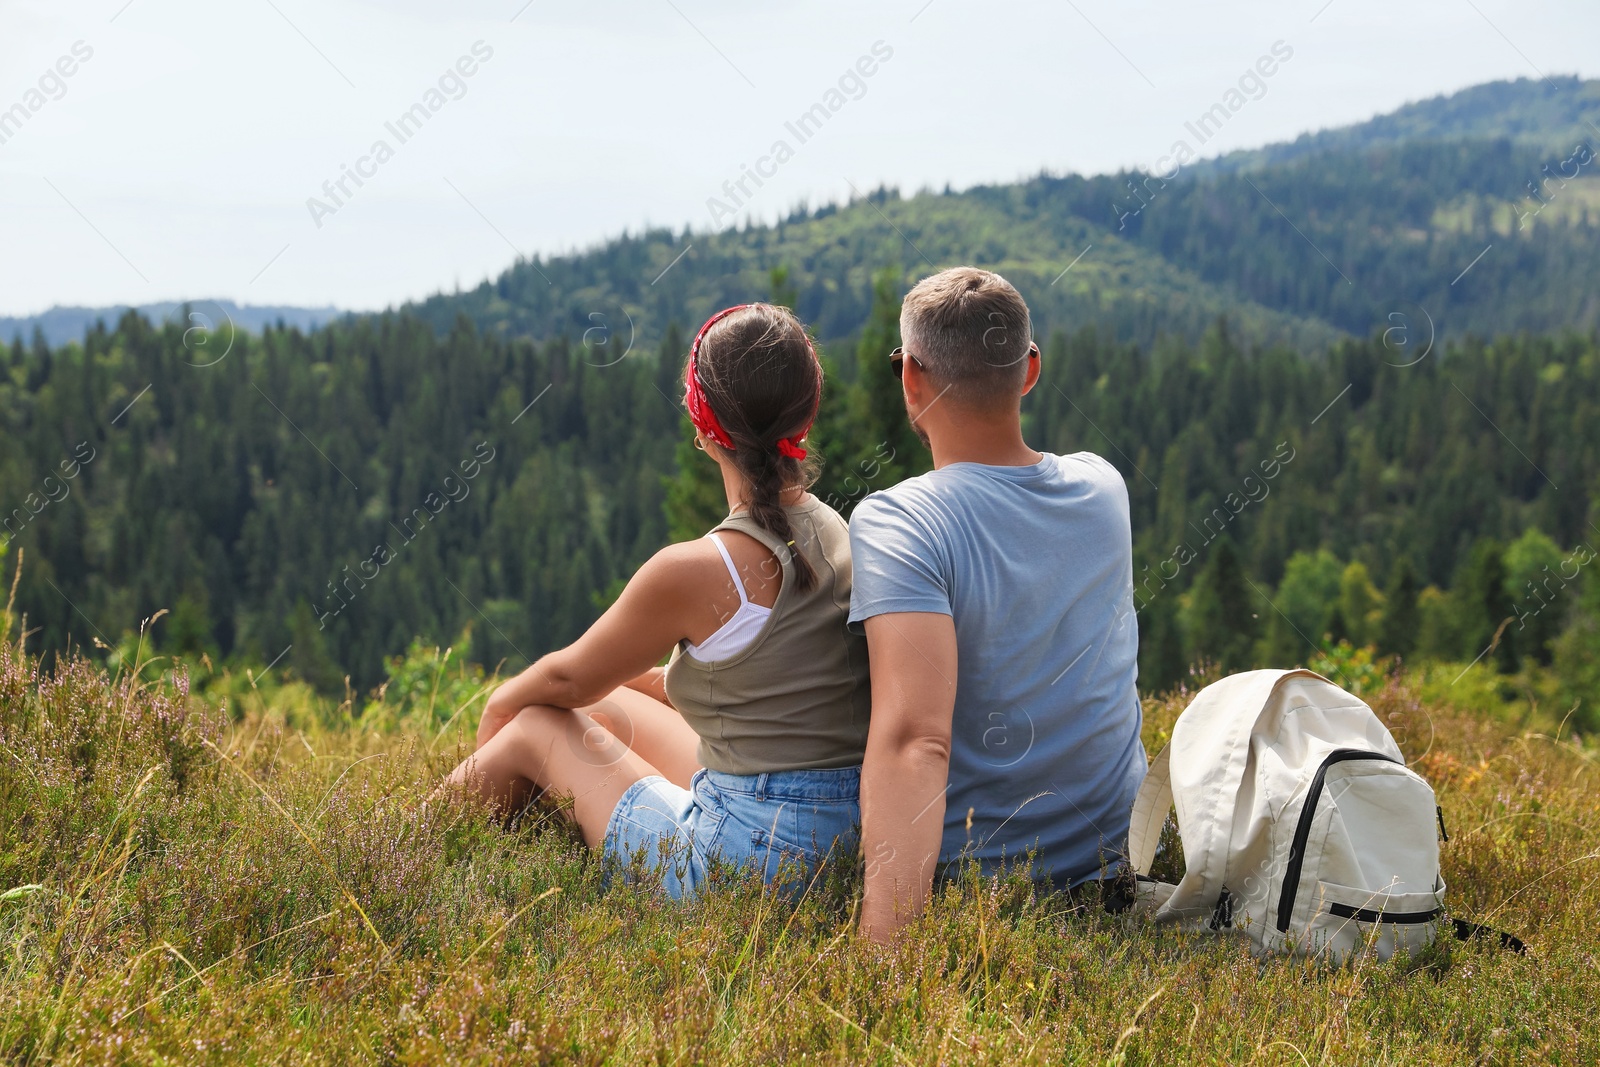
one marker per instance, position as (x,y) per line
(1367,915)
(1302,829)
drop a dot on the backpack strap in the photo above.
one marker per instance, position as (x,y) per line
(1466,931)
(1150,809)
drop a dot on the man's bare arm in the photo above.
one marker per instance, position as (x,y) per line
(907,765)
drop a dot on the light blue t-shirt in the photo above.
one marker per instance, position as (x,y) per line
(1035,565)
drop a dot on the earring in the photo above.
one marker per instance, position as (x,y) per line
(699,442)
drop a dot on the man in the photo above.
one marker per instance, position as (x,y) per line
(996,593)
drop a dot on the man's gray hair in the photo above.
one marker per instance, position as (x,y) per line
(970,330)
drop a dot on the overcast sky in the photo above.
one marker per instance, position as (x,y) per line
(177,158)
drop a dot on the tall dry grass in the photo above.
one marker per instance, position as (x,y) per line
(185,883)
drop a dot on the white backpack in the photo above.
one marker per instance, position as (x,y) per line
(1302,827)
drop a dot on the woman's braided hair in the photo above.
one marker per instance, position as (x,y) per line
(760,374)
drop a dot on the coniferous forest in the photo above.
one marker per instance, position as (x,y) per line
(1330,446)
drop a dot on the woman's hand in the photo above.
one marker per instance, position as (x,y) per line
(544,683)
(501,708)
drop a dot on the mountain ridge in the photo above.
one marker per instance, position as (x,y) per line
(1261,236)
(61,324)
(1556,103)
(1300,243)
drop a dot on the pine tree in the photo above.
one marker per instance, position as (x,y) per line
(309,656)
(1359,603)
(1305,602)
(1223,620)
(1161,663)
(781,288)
(695,499)
(188,629)
(1537,593)
(1480,593)
(40,362)
(1577,651)
(671,357)
(885,449)
(1401,622)
(1501,612)
(885,402)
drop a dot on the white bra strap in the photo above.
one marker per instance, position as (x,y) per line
(733,572)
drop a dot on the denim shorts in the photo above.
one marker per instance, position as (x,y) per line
(782,821)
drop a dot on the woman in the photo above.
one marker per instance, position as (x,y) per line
(746,748)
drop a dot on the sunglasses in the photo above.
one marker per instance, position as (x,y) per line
(897,362)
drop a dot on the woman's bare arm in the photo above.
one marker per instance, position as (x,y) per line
(666,601)
(652,683)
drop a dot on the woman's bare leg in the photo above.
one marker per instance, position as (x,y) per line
(653,730)
(559,750)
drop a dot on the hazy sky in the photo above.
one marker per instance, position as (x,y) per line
(178,158)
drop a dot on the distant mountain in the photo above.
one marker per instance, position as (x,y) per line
(1469,213)
(63,324)
(635,287)
(1474,212)
(1551,114)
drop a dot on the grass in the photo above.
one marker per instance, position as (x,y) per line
(182,882)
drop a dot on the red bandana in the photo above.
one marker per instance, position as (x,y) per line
(705,420)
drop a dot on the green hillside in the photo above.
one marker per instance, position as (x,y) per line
(830,257)
(1332,234)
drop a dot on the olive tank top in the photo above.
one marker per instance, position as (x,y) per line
(797,697)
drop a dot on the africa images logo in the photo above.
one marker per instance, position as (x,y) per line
(451,85)
(851,85)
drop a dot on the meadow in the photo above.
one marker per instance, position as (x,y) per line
(224,868)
